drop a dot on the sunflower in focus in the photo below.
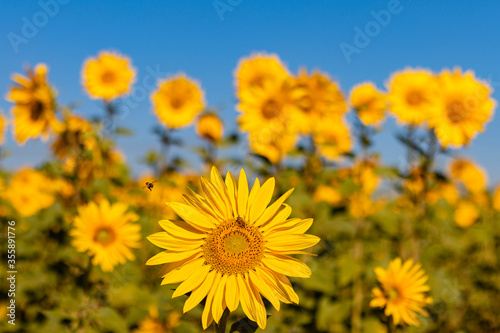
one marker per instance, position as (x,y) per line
(106,232)
(108,76)
(210,127)
(465,107)
(332,138)
(177,101)
(402,291)
(314,97)
(273,144)
(3,125)
(257,72)
(34,109)
(466,213)
(233,248)
(413,96)
(471,175)
(369,103)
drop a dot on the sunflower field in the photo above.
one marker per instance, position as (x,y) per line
(291,223)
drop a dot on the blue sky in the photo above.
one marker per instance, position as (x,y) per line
(193,37)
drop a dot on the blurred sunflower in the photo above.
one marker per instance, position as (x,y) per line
(402,291)
(332,138)
(360,205)
(369,103)
(108,76)
(177,101)
(466,213)
(328,194)
(364,174)
(3,125)
(446,191)
(210,127)
(496,199)
(152,324)
(74,136)
(29,192)
(314,97)
(257,72)
(465,107)
(34,109)
(106,232)
(271,143)
(471,175)
(230,248)
(413,96)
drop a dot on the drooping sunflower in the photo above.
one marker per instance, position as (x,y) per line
(470,174)
(332,138)
(402,291)
(232,248)
(108,76)
(466,106)
(34,109)
(3,125)
(314,97)
(257,71)
(369,103)
(413,96)
(106,232)
(178,101)
(210,127)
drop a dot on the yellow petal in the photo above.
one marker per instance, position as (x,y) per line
(265,289)
(261,200)
(247,304)
(251,197)
(181,229)
(292,226)
(232,293)
(242,194)
(282,214)
(192,282)
(181,274)
(286,265)
(198,202)
(260,309)
(231,190)
(219,303)
(193,216)
(292,242)
(170,256)
(214,198)
(199,293)
(206,316)
(273,209)
(167,241)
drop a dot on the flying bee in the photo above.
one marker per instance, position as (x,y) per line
(240,222)
(149,185)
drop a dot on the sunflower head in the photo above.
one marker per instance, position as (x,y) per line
(210,127)
(231,248)
(332,138)
(466,106)
(328,194)
(466,213)
(177,101)
(369,103)
(402,291)
(108,76)
(472,176)
(106,232)
(413,96)
(273,143)
(34,109)
(76,134)
(3,125)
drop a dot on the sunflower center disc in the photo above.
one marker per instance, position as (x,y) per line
(456,112)
(108,77)
(270,110)
(234,247)
(104,236)
(414,98)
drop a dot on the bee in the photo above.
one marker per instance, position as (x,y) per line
(149,185)
(240,222)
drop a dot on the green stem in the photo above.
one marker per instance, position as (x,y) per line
(221,326)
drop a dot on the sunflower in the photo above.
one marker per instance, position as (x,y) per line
(332,138)
(177,101)
(496,199)
(328,194)
(471,175)
(108,76)
(272,143)
(75,135)
(466,213)
(3,125)
(314,97)
(34,109)
(257,72)
(361,205)
(369,103)
(413,96)
(402,291)
(230,248)
(152,323)
(210,127)
(465,107)
(106,232)
(365,176)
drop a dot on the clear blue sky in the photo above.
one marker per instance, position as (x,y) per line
(190,36)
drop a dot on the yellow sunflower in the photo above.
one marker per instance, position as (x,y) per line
(106,232)
(258,71)
(314,97)
(369,103)
(152,323)
(108,76)
(210,127)
(3,125)
(471,175)
(496,199)
(402,291)
(231,248)
(365,176)
(34,109)
(328,194)
(177,101)
(76,134)
(272,143)
(466,213)
(413,96)
(332,138)
(465,107)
